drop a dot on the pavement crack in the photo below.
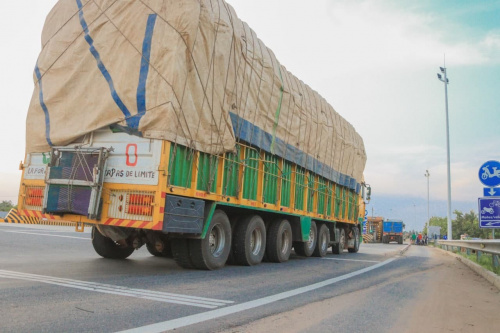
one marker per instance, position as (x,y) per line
(89,311)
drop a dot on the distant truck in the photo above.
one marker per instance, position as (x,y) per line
(392,231)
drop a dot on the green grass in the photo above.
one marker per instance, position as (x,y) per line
(486,261)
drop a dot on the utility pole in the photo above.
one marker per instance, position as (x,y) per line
(427,175)
(446,81)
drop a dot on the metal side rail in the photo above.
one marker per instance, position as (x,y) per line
(480,246)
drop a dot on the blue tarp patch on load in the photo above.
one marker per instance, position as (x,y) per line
(254,135)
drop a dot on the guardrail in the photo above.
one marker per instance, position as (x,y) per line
(474,246)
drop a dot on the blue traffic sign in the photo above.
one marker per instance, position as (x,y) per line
(491,192)
(489,212)
(489,173)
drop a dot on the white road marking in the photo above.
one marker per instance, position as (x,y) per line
(350,260)
(38,234)
(213,314)
(159,296)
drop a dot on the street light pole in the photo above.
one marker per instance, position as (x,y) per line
(446,81)
(427,175)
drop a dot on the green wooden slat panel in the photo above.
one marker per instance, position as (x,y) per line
(338,201)
(356,207)
(181,165)
(251,174)
(286,184)
(299,188)
(231,173)
(310,193)
(329,195)
(271,172)
(342,209)
(207,172)
(322,190)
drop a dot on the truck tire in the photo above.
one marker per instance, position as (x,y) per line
(167,250)
(338,247)
(152,250)
(107,248)
(355,249)
(249,241)
(306,249)
(400,241)
(180,252)
(279,241)
(212,252)
(323,242)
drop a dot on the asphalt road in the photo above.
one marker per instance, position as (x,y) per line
(51,280)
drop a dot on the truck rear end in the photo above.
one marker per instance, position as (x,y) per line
(392,232)
(105,179)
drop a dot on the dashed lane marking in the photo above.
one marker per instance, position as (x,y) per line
(159,296)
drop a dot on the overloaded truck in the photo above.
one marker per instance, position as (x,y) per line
(169,124)
(392,231)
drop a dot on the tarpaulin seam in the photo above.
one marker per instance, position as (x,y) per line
(278,111)
(143,75)
(100,64)
(44,107)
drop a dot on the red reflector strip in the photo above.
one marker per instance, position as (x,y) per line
(140,210)
(140,199)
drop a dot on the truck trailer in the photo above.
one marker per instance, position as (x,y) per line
(392,231)
(169,124)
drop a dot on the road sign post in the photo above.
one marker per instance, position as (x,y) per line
(489,207)
(489,212)
(491,192)
(489,173)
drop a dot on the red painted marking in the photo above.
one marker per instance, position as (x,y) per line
(201,194)
(163,195)
(131,223)
(143,225)
(158,225)
(162,210)
(128,162)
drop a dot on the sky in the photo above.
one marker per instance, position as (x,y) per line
(375,62)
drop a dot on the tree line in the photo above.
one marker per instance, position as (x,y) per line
(463,224)
(6,206)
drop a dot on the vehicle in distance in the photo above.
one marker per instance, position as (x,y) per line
(392,231)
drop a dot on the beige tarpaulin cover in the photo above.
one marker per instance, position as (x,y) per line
(188,71)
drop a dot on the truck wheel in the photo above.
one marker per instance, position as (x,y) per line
(212,252)
(152,250)
(180,252)
(306,249)
(338,247)
(167,250)
(355,249)
(323,242)
(107,248)
(249,241)
(279,241)
(400,240)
